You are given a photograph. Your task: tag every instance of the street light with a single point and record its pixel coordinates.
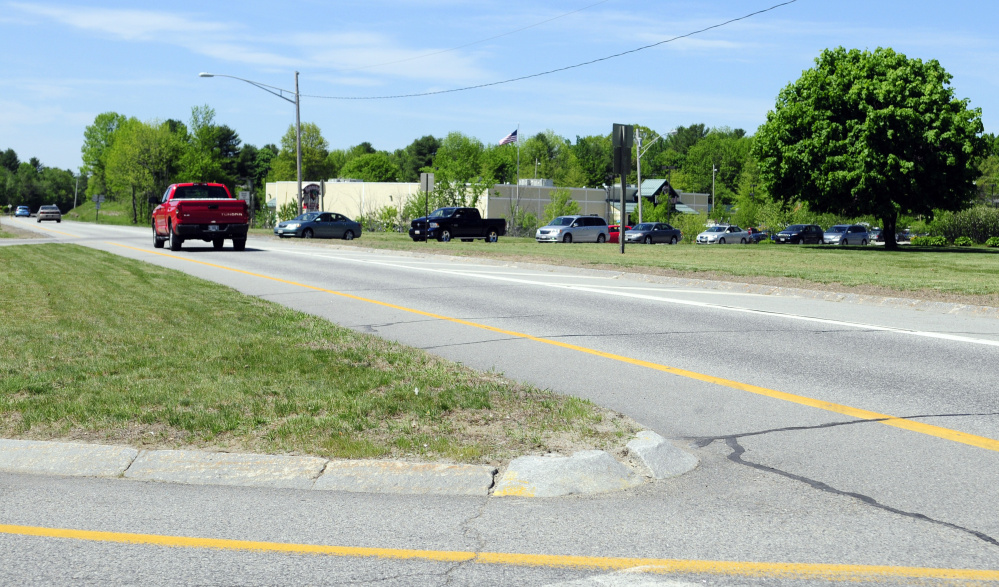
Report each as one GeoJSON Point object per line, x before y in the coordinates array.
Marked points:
{"type": "Point", "coordinates": [640, 151]}
{"type": "Point", "coordinates": [280, 93]}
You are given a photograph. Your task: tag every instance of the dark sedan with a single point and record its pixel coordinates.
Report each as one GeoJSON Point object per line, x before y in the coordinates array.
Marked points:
{"type": "Point", "coordinates": [800, 234]}
{"type": "Point", "coordinates": [653, 232]}
{"type": "Point", "coordinates": [319, 225]}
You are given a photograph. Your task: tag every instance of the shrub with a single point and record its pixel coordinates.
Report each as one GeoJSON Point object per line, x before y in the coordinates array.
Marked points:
{"type": "Point", "coordinates": [992, 242]}
{"type": "Point", "coordinates": [979, 223]}
{"type": "Point", "coordinates": [963, 241]}
{"type": "Point", "coordinates": [929, 241]}
{"type": "Point", "coordinates": [288, 211]}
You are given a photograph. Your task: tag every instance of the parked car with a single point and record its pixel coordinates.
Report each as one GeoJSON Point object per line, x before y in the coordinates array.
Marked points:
{"type": "Point", "coordinates": [451, 222]}
{"type": "Point", "coordinates": [567, 229]}
{"type": "Point", "coordinates": [48, 213]}
{"type": "Point", "coordinates": [653, 232]}
{"type": "Point", "coordinates": [877, 236]}
{"type": "Point", "coordinates": [846, 234]}
{"type": "Point", "coordinates": [613, 231]}
{"type": "Point", "coordinates": [800, 234]}
{"type": "Point", "coordinates": [23, 211]}
{"type": "Point", "coordinates": [319, 225]}
{"type": "Point", "coordinates": [756, 235]}
{"type": "Point", "coordinates": [723, 234]}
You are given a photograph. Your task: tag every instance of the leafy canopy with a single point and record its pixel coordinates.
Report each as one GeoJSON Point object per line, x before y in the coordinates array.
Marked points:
{"type": "Point", "coordinates": [871, 133]}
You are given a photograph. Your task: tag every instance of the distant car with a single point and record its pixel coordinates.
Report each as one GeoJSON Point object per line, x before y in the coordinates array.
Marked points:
{"type": "Point", "coordinates": [756, 235]}
{"type": "Point", "coordinates": [613, 231]}
{"type": "Point", "coordinates": [22, 211]}
{"type": "Point", "coordinates": [877, 236]}
{"type": "Point", "coordinates": [319, 225]}
{"type": "Point", "coordinates": [800, 234]}
{"type": "Point", "coordinates": [568, 229]}
{"type": "Point", "coordinates": [846, 234]}
{"type": "Point", "coordinates": [48, 213]}
{"type": "Point", "coordinates": [722, 234]}
{"type": "Point", "coordinates": [653, 232]}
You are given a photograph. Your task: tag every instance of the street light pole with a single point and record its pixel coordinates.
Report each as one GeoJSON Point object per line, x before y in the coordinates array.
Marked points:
{"type": "Point", "coordinates": [639, 151]}
{"type": "Point", "coordinates": [280, 93]}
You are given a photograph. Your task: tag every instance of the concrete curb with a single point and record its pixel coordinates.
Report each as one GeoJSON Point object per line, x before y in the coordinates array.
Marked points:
{"type": "Point", "coordinates": [585, 473]}
{"type": "Point", "coordinates": [663, 459]}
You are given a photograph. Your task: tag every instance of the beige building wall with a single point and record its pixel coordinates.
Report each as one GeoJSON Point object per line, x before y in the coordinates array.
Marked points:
{"type": "Point", "coordinates": [503, 197]}
{"type": "Point", "coordinates": [353, 199]}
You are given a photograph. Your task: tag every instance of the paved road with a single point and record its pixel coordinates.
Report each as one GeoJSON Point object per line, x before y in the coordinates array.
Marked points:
{"type": "Point", "coordinates": [828, 433]}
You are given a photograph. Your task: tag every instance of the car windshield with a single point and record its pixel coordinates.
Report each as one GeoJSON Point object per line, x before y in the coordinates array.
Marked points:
{"type": "Point", "coordinates": [561, 221]}
{"type": "Point", "coordinates": [644, 226]}
{"type": "Point", "coordinates": [837, 229]}
{"type": "Point", "coordinates": [794, 228]}
{"type": "Point", "coordinates": [307, 217]}
{"type": "Point", "coordinates": [717, 229]}
{"type": "Point", "coordinates": [442, 212]}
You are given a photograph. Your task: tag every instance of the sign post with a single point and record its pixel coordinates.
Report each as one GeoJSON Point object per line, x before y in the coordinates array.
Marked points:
{"type": "Point", "coordinates": [426, 186]}
{"type": "Point", "coordinates": [97, 206]}
{"type": "Point", "coordinates": [623, 139]}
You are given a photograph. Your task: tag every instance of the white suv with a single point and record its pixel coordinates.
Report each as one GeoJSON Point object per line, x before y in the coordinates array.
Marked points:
{"type": "Point", "coordinates": [580, 229]}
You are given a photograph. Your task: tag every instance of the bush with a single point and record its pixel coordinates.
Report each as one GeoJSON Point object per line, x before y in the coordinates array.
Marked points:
{"type": "Point", "coordinates": [979, 223]}
{"type": "Point", "coordinates": [287, 211]}
{"type": "Point", "coordinates": [929, 241]}
{"type": "Point", "coordinates": [963, 241]}
{"type": "Point", "coordinates": [992, 242]}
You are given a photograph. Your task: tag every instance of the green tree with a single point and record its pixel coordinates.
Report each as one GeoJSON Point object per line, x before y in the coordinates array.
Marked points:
{"type": "Point", "coordinates": [872, 133]}
{"type": "Point", "coordinates": [9, 160]}
{"type": "Point", "coordinates": [560, 203]}
{"type": "Point", "coordinates": [315, 150]}
{"type": "Point", "coordinates": [416, 156]}
{"type": "Point", "coordinates": [143, 162]}
{"type": "Point", "coordinates": [458, 179]}
{"type": "Point", "coordinates": [97, 141]}
{"type": "Point", "coordinates": [212, 152]}
{"type": "Point", "coordinates": [595, 158]}
{"type": "Point", "coordinates": [371, 167]}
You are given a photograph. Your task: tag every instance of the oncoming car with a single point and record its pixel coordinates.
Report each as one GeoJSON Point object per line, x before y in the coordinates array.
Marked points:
{"type": "Point", "coordinates": [319, 225]}
{"type": "Point", "coordinates": [722, 234]}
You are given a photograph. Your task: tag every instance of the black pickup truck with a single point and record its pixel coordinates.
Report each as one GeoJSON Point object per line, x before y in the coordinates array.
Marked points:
{"type": "Point", "coordinates": [462, 223]}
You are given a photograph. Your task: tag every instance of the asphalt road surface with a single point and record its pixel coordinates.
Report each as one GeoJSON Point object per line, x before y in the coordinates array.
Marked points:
{"type": "Point", "coordinates": [837, 440]}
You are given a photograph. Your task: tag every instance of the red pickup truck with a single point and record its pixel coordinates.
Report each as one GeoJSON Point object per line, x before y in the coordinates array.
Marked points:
{"type": "Point", "coordinates": [202, 211]}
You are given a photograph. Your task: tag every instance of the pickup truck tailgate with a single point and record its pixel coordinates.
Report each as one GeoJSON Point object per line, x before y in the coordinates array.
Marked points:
{"type": "Point", "coordinates": [212, 212]}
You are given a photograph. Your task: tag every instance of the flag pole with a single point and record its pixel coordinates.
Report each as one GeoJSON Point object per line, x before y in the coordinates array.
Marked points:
{"type": "Point", "coordinates": [518, 169]}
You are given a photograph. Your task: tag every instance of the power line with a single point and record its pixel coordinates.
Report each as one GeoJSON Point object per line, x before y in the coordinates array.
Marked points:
{"type": "Point", "coordinates": [560, 69]}
{"type": "Point", "coordinates": [506, 34]}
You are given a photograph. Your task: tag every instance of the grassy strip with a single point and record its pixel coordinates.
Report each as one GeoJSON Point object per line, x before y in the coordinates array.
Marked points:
{"type": "Point", "coordinates": [965, 271]}
{"type": "Point", "coordinates": [103, 348]}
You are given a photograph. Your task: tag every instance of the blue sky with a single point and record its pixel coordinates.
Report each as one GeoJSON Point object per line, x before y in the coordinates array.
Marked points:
{"type": "Point", "coordinates": [64, 63]}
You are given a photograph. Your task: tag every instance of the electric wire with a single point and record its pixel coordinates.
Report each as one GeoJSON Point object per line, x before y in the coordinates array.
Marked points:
{"type": "Point", "coordinates": [506, 34]}
{"type": "Point", "coordinates": [560, 69]}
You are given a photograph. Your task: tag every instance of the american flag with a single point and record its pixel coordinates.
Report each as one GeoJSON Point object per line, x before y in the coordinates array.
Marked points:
{"type": "Point", "coordinates": [510, 138]}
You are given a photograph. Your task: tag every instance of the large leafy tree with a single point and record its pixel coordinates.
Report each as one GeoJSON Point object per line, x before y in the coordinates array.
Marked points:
{"type": "Point", "coordinates": [371, 167]}
{"type": "Point", "coordinates": [143, 161]}
{"type": "Point", "coordinates": [458, 179]}
{"type": "Point", "coordinates": [315, 150]}
{"type": "Point", "coordinates": [97, 141]}
{"type": "Point", "coordinates": [872, 133]}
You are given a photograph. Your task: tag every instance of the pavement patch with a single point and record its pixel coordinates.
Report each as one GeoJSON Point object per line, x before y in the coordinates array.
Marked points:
{"type": "Point", "coordinates": [214, 468]}
{"type": "Point", "coordinates": [585, 472]}
{"type": "Point", "coordinates": [663, 459]}
{"type": "Point", "coordinates": [64, 458]}
{"type": "Point", "coordinates": [408, 478]}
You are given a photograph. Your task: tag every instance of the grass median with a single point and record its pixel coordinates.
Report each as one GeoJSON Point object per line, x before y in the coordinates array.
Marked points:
{"type": "Point", "coordinates": [967, 275]}
{"type": "Point", "coordinates": [101, 348]}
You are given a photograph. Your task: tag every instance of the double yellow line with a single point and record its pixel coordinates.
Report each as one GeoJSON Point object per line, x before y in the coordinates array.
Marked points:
{"type": "Point", "coordinates": [887, 420]}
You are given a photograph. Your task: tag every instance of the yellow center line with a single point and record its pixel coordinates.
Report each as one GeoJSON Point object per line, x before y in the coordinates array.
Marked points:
{"type": "Point", "coordinates": [903, 423]}
{"type": "Point", "coordinates": [836, 572]}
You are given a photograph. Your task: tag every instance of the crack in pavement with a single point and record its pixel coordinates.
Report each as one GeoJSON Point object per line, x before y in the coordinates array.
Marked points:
{"type": "Point", "coordinates": [703, 441]}
{"type": "Point", "coordinates": [738, 451]}
{"type": "Point", "coordinates": [468, 531]}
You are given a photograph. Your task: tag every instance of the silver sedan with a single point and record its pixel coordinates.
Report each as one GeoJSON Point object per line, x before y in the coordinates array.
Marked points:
{"type": "Point", "coordinates": [722, 234]}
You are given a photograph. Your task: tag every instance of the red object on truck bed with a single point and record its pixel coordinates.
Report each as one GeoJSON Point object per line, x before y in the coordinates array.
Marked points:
{"type": "Point", "coordinates": [201, 211]}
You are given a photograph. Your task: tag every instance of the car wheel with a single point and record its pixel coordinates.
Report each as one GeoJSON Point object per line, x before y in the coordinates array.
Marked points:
{"type": "Point", "coordinates": [567, 238]}
{"type": "Point", "coordinates": [648, 240]}
{"type": "Point", "coordinates": [844, 242]}
{"type": "Point", "coordinates": [218, 243]}
{"type": "Point", "coordinates": [238, 244]}
{"type": "Point", "coordinates": [492, 236]}
{"type": "Point", "coordinates": [721, 241]}
{"type": "Point", "coordinates": [349, 235]}
{"type": "Point", "coordinates": [175, 240]}
{"type": "Point", "coordinates": [307, 233]}
{"type": "Point", "coordinates": [742, 241]}
{"type": "Point", "coordinates": [672, 241]}
{"type": "Point", "coordinates": [157, 241]}
{"type": "Point", "coordinates": [601, 238]}
{"type": "Point", "coordinates": [445, 236]}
